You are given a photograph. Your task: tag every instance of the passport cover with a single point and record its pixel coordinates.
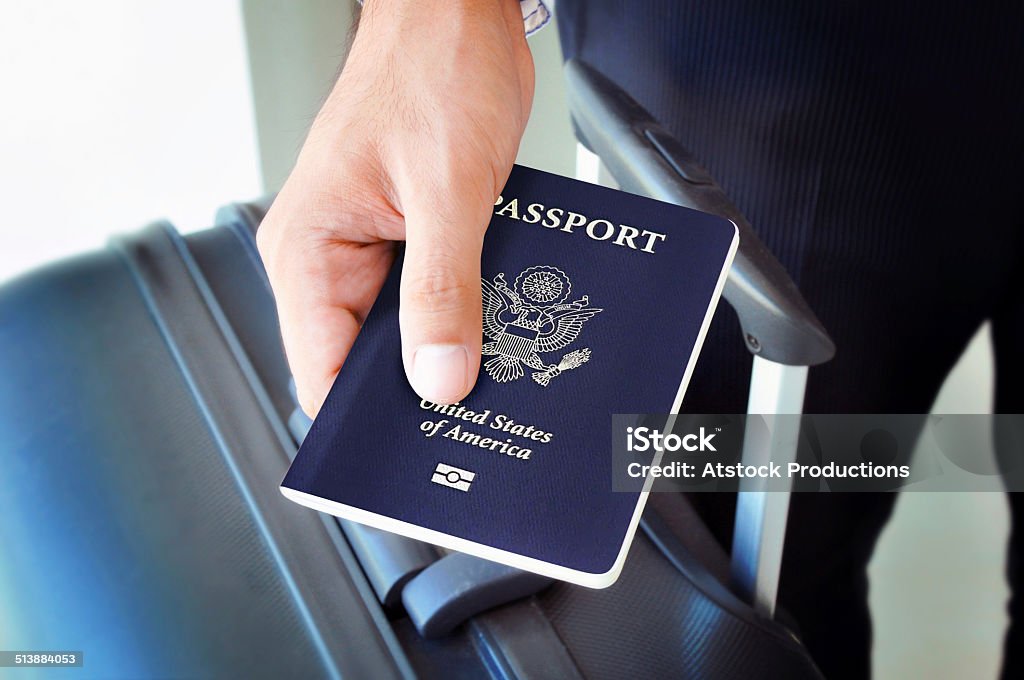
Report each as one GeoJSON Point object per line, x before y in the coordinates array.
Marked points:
{"type": "Point", "coordinates": [595, 302]}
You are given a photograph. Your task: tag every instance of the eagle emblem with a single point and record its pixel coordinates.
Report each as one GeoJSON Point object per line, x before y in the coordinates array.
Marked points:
{"type": "Point", "coordinates": [532, 318]}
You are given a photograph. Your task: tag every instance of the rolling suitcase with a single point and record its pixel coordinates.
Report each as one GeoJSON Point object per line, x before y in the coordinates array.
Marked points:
{"type": "Point", "coordinates": [147, 418]}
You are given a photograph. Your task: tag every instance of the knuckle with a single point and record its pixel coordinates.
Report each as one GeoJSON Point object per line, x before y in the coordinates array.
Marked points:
{"type": "Point", "coordinates": [438, 291]}
{"type": "Point", "coordinates": [308, 401]}
{"type": "Point", "coordinates": [264, 241]}
{"type": "Point", "coordinates": [269, 238]}
{"type": "Point", "coordinates": [266, 246]}
{"type": "Point", "coordinates": [309, 406]}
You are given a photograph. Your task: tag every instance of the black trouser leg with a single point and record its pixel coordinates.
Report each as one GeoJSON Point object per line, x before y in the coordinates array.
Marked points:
{"type": "Point", "coordinates": [824, 584]}
{"type": "Point", "coordinates": [1007, 334]}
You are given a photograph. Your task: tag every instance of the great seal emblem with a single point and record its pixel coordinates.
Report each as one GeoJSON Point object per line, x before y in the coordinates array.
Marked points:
{"type": "Point", "coordinates": [532, 318]}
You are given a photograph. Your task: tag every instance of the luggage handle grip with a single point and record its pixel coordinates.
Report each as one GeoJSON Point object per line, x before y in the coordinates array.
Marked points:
{"type": "Point", "coordinates": [644, 158]}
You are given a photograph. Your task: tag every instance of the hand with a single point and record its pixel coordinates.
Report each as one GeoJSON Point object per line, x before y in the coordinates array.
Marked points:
{"type": "Point", "coordinates": [414, 143]}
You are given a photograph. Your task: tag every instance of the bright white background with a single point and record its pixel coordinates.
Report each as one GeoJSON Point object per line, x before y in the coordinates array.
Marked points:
{"type": "Point", "coordinates": [117, 112]}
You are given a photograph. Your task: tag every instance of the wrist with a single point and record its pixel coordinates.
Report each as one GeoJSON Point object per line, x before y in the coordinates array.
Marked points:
{"type": "Point", "coordinates": [445, 12]}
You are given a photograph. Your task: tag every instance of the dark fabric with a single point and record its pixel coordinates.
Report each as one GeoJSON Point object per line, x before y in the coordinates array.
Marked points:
{"type": "Point", "coordinates": [1007, 331]}
{"type": "Point", "coordinates": [876, 148]}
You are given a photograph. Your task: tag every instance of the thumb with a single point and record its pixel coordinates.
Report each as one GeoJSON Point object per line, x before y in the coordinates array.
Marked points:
{"type": "Point", "coordinates": [440, 309]}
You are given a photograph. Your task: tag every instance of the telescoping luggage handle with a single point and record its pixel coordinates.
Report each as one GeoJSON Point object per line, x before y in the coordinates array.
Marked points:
{"type": "Point", "coordinates": [779, 328]}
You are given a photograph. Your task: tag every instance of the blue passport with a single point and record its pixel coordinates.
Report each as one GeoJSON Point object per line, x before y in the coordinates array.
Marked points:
{"type": "Point", "coordinates": [595, 302]}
